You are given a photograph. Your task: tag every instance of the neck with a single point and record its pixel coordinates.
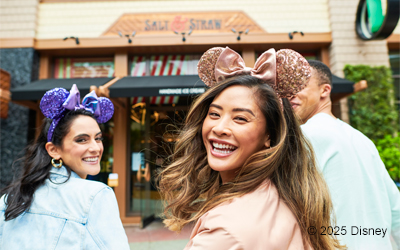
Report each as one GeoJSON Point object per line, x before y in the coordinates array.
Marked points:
{"type": "Point", "coordinates": [227, 176]}
{"type": "Point", "coordinates": [325, 106]}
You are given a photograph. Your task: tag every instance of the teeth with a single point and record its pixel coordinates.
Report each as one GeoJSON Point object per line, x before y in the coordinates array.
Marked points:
{"type": "Point", "coordinates": [94, 159]}
{"type": "Point", "coordinates": [223, 146]}
{"type": "Point", "coordinates": [223, 151]}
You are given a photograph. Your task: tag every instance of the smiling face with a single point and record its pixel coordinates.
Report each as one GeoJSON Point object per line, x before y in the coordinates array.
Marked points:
{"type": "Point", "coordinates": [82, 147]}
{"type": "Point", "coordinates": [233, 130]}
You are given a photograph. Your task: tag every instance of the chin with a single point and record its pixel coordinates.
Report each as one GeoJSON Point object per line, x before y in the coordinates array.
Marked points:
{"type": "Point", "coordinates": [221, 167]}
{"type": "Point", "coordinates": [94, 171]}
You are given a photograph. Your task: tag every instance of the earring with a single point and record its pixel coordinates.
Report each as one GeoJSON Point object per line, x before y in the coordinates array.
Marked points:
{"type": "Point", "coordinates": [55, 164]}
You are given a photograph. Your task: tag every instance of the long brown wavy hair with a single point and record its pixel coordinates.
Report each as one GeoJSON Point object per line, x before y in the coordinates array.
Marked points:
{"type": "Point", "coordinates": [190, 188]}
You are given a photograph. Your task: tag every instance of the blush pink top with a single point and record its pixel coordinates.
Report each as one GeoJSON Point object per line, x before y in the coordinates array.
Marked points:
{"type": "Point", "coordinates": [255, 221]}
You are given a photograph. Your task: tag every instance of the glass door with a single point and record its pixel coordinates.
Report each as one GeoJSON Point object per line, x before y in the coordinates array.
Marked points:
{"type": "Point", "coordinates": [145, 175]}
{"type": "Point", "coordinates": [140, 163]}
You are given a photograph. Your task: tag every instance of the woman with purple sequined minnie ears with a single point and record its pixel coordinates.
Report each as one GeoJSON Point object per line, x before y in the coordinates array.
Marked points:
{"type": "Point", "coordinates": [241, 169]}
{"type": "Point", "coordinates": [51, 205]}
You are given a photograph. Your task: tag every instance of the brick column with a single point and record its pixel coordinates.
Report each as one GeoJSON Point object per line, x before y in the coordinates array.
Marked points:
{"type": "Point", "coordinates": [23, 65]}
{"type": "Point", "coordinates": [19, 20]}
{"type": "Point", "coordinates": [347, 48]}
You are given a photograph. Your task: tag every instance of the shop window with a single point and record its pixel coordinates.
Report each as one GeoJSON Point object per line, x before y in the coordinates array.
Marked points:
{"type": "Point", "coordinates": [164, 65]}
{"type": "Point", "coordinates": [83, 67]}
{"type": "Point", "coordinates": [394, 57]}
{"type": "Point", "coordinates": [309, 56]}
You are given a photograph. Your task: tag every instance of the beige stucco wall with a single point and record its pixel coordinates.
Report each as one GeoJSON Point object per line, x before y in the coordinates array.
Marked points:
{"type": "Point", "coordinates": [91, 19]}
{"type": "Point", "coordinates": [18, 18]}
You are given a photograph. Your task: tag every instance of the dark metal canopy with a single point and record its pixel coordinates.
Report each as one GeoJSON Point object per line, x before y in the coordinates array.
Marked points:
{"type": "Point", "coordinates": [186, 85]}
{"type": "Point", "coordinates": [140, 86]}
{"type": "Point", "coordinates": [341, 85]}
{"type": "Point", "coordinates": [157, 86]}
{"type": "Point", "coordinates": [36, 89]}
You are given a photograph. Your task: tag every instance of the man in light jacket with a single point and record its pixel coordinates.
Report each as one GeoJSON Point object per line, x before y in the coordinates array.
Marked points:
{"type": "Point", "coordinates": [366, 200]}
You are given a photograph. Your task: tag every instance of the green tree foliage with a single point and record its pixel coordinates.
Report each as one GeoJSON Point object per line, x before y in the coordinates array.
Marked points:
{"type": "Point", "coordinates": [372, 111]}
{"type": "Point", "coordinates": [389, 150]}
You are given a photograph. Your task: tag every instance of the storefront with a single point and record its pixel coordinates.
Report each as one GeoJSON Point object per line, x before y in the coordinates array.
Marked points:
{"type": "Point", "coordinates": [146, 64]}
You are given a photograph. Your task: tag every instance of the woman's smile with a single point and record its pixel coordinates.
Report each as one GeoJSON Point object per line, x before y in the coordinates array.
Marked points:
{"type": "Point", "coordinates": [221, 148]}
{"type": "Point", "coordinates": [91, 160]}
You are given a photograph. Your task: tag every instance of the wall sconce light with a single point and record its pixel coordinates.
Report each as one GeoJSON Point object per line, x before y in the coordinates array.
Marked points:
{"type": "Point", "coordinates": [183, 34]}
{"type": "Point", "coordinates": [240, 33]}
{"type": "Point", "coordinates": [72, 37]}
{"type": "Point", "coordinates": [294, 32]}
{"type": "Point", "coordinates": [127, 35]}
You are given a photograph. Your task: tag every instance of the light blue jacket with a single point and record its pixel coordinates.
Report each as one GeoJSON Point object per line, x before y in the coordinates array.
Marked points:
{"type": "Point", "coordinates": [77, 214]}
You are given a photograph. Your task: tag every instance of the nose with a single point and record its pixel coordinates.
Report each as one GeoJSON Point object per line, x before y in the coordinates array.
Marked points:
{"type": "Point", "coordinates": [94, 146]}
{"type": "Point", "coordinates": [221, 128]}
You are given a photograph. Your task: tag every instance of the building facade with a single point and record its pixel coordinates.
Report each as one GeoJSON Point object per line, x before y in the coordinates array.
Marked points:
{"type": "Point", "coordinates": [143, 55]}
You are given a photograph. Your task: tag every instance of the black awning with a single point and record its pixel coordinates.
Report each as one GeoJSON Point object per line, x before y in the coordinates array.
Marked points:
{"type": "Point", "coordinates": [35, 90]}
{"type": "Point", "coordinates": [185, 85]}
{"type": "Point", "coordinates": [139, 86]}
{"type": "Point", "coordinates": [341, 85]}
{"type": "Point", "coordinates": [157, 86]}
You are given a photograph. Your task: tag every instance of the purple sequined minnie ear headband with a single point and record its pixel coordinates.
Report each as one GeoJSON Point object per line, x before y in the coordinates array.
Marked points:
{"type": "Point", "coordinates": [58, 101]}
{"type": "Point", "coordinates": [286, 71]}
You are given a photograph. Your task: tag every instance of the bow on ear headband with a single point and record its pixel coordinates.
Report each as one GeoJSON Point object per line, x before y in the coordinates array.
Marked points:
{"type": "Point", "coordinates": [58, 101]}
{"type": "Point", "coordinates": [286, 71]}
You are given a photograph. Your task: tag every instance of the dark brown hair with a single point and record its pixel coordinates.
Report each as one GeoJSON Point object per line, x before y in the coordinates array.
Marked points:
{"type": "Point", "coordinates": [324, 74]}
{"type": "Point", "coordinates": [190, 188]}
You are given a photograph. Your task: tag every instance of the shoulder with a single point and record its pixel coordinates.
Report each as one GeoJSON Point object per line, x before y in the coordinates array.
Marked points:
{"type": "Point", "coordinates": [356, 135]}
{"type": "Point", "coordinates": [70, 198]}
{"type": "Point", "coordinates": [75, 186]}
{"type": "Point", "coordinates": [261, 211]}
{"type": "Point", "coordinates": [72, 184]}
{"type": "Point", "coordinates": [321, 126]}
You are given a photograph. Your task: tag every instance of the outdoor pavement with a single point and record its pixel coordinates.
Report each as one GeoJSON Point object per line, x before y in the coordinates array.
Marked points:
{"type": "Point", "coordinates": [156, 236]}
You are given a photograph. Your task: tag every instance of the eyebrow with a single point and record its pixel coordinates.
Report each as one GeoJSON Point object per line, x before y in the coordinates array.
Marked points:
{"type": "Point", "coordinates": [235, 109]}
{"type": "Point", "coordinates": [99, 133]}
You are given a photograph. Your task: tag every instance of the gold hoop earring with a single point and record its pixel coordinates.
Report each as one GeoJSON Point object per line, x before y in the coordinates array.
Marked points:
{"type": "Point", "coordinates": [55, 164]}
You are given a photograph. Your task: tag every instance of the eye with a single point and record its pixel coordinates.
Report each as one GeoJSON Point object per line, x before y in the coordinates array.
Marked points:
{"type": "Point", "coordinates": [99, 139]}
{"type": "Point", "coordinates": [213, 114]}
{"type": "Point", "coordinates": [80, 140]}
{"type": "Point", "coordinates": [242, 119]}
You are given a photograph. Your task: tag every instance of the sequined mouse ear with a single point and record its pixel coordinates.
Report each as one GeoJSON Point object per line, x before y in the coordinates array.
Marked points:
{"type": "Point", "coordinates": [206, 65]}
{"type": "Point", "coordinates": [292, 73]}
{"type": "Point", "coordinates": [51, 103]}
{"type": "Point", "coordinates": [106, 110]}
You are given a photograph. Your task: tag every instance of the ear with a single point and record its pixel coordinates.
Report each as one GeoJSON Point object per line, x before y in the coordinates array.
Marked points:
{"type": "Point", "coordinates": [53, 150]}
{"type": "Point", "coordinates": [325, 90]}
{"type": "Point", "coordinates": [267, 143]}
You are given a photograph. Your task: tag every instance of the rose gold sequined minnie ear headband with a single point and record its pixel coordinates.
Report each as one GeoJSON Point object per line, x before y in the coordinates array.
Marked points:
{"type": "Point", "coordinates": [286, 71]}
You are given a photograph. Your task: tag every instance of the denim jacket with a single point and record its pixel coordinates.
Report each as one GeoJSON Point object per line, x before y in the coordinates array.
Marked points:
{"type": "Point", "coordinates": [77, 214]}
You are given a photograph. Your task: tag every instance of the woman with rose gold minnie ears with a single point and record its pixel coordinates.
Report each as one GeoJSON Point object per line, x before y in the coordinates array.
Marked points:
{"type": "Point", "coordinates": [241, 168]}
{"type": "Point", "coordinates": [51, 204]}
